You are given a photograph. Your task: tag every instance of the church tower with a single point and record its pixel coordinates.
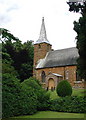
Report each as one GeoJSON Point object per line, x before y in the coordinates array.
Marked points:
{"type": "Point", "coordinates": [42, 45]}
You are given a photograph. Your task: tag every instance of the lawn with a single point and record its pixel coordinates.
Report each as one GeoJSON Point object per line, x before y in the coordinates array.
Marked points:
{"type": "Point", "coordinates": [76, 92]}
{"type": "Point", "coordinates": [51, 114]}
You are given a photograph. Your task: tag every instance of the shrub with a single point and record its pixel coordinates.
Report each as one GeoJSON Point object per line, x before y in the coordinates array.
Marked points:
{"type": "Point", "coordinates": [43, 97]}
{"type": "Point", "coordinates": [43, 100]}
{"type": "Point", "coordinates": [64, 88]}
{"type": "Point", "coordinates": [31, 82]}
{"type": "Point", "coordinates": [28, 102]}
{"type": "Point", "coordinates": [74, 104]}
{"type": "Point", "coordinates": [10, 94]}
{"type": "Point", "coordinates": [16, 100]}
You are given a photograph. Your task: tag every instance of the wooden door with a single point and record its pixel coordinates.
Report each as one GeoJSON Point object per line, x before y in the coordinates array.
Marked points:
{"type": "Point", "coordinates": [51, 84]}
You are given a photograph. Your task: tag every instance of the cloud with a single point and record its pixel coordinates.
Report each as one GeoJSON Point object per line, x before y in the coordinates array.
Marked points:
{"type": "Point", "coordinates": [6, 7]}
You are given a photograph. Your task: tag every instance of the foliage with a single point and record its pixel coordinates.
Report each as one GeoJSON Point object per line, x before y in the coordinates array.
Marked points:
{"type": "Point", "coordinates": [44, 100]}
{"type": "Point", "coordinates": [28, 102]}
{"type": "Point", "coordinates": [15, 100]}
{"type": "Point", "coordinates": [75, 104]}
{"type": "Point", "coordinates": [7, 65]}
{"type": "Point", "coordinates": [31, 83]}
{"type": "Point", "coordinates": [43, 97]}
{"type": "Point", "coordinates": [75, 92]}
{"type": "Point", "coordinates": [10, 90]}
{"type": "Point", "coordinates": [6, 35]}
{"type": "Point", "coordinates": [64, 88]}
{"type": "Point", "coordinates": [80, 28]}
{"type": "Point", "coordinates": [20, 55]}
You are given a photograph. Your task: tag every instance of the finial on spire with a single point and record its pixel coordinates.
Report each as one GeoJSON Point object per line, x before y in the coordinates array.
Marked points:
{"type": "Point", "coordinates": [42, 36]}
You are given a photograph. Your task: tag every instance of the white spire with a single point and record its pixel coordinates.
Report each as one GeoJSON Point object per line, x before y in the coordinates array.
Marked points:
{"type": "Point", "coordinates": [42, 36]}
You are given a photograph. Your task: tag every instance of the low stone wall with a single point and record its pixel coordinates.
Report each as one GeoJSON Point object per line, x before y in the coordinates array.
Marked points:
{"type": "Point", "coordinates": [79, 84]}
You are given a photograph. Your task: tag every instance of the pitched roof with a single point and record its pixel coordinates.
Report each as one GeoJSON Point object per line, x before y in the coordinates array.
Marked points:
{"type": "Point", "coordinates": [57, 58]}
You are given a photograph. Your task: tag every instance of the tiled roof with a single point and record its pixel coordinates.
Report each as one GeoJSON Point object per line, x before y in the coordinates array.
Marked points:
{"type": "Point", "coordinates": [57, 58]}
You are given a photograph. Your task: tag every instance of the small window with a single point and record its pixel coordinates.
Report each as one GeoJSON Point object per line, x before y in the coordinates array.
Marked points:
{"type": "Point", "coordinates": [43, 75]}
{"type": "Point", "coordinates": [67, 75]}
{"type": "Point", "coordinates": [39, 46]}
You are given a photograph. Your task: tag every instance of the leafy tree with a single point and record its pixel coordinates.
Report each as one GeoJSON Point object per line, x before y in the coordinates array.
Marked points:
{"type": "Point", "coordinates": [80, 28]}
{"type": "Point", "coordinates": [6, 35]}
{"type": "Point", "coordinates": [23, 60]}
{"type": "Point", "coordinates": [21, 54]}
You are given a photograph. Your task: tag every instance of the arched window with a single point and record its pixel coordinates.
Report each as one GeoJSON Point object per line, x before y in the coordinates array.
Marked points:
{"type": "Point", "coordinates": [43, 76]}
{"type": "Point", "coordinates": [39, 46]}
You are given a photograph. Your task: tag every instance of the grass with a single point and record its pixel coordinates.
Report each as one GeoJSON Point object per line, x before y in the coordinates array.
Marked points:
{"type": "Point", "coordinates": [51, 114]}
{"type": "Point", "coordinates": [76, 92]}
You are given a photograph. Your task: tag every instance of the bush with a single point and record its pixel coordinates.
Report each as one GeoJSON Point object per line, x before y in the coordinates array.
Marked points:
{"type": "Point", "coordinates": [43, 97]}
{"type": "Point", "coordinates": [10, 94]}
{"type": "Point", "coordinates": [16, 100]}
{"type": "Point", "coordinates": [74, 104]}
{"type": "Point", "coordinates": [28, 102]}
{"type": "Point", "coordinates": [64, 88]}
{"type": "Point", "coordinates": [43, 100]}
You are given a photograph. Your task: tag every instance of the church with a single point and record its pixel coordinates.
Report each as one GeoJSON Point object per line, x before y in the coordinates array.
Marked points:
{"type": "Point", "coordinates": [51, 66]}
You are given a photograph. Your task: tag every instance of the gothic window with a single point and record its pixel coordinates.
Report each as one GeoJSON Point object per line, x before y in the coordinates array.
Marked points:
{"type": "Point", "coordinates": [39, 46]}
{"type": "Point", "coordinates": [43, 75]}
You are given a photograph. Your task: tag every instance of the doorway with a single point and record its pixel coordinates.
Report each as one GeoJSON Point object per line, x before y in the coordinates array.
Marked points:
{"type": "Point", "coordinates": [51, 84]}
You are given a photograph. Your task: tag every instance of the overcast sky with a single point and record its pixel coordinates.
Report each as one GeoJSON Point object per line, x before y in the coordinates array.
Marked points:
{"type": "Point", "coordinates": [23, 18]}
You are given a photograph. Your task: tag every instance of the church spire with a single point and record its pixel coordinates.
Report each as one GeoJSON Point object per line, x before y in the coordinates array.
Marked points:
{"type": "Point", "coordinates": [42, 36]}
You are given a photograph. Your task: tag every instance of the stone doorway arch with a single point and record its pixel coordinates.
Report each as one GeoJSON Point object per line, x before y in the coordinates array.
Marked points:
{"type": "Point", "coordinates": [51, 84]}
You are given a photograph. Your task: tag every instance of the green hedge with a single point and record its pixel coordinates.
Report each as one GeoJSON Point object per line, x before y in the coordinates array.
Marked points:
{"type": "Point", "coordinates": [43, 97]}
{"type": "Point", "coordinates": [15, 100]}
{"type": "Point", "coordinates": [74, 104]}
{"type": "Point", "coordinates": [43, 100]}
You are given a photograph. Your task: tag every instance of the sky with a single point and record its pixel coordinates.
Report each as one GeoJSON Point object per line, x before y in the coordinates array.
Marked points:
{"type": "Point", "coordinates": [23, 19]}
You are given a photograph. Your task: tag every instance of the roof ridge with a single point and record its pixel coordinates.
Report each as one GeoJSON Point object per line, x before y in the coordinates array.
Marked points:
{"type": "Point", "coordinates": [63, 49]}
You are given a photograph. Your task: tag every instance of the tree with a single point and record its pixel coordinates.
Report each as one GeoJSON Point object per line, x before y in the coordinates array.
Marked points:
{"type": "Point", "coordinates": [20, 53]}
{"type": "Point", "coordinates": [6, 35]}
{"type": "Point", "coordinates": [80, 28]}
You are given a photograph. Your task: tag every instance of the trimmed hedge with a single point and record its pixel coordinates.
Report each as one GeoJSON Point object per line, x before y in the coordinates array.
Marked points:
{"type": "Point", "coordinates": [74, 104]}
{"type": "Point", "coordinates": [64, 88]}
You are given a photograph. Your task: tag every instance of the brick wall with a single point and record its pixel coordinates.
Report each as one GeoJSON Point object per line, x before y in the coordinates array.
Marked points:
{"type": "Point", "coordinates": [71, 76]}
{"type": "Point", "coordinates": [68, 72]}
{"type": "Point", "coordinates": [40, 51]}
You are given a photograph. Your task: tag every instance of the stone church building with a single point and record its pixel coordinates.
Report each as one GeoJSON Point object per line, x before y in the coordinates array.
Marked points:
{"type": "Point", "coordinates": [52, 66]}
